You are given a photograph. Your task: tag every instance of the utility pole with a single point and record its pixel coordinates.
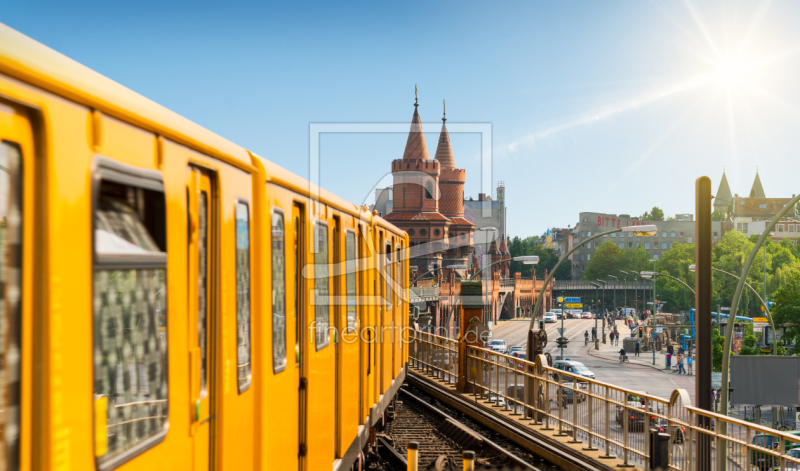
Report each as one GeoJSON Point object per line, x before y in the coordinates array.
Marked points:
{"type": "Point", "coordinates": [703, 361]}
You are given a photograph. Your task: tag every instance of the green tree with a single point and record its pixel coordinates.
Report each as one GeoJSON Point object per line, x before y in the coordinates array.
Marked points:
{"type": "Point", "coordinates": [717, 215]}
{"type": "Point", "coordinates": [675, 262]}
{"type": "Point", "coordinates": [786, 311]}
{"type": "Point", "coordinates": [655, 214]}
{"type": "Point", "coordinates": [547, 259]}
{"type": "Point", "coordinates": [604, 262]}
{"type": "Point", "coordinates": [717, 347]}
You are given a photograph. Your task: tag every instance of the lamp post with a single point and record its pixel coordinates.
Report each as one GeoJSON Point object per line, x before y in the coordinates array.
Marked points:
{"type": "Point", "coordinates": [614, 308]}
{"type": "Point", "coordinates": [625, 303]}
{"type": "Point", "coordinates": [644, 230]}
{"type": "Point", "coordinates": [737, 295]}
{"type": "Point", "coordinates": [603, 308]}
{"type": "Point", "coordinates": [526, 259]}
{"type": "Point", "coordinates": [457, 267]}
{"type": "Point", "coordinates": [655, 308]}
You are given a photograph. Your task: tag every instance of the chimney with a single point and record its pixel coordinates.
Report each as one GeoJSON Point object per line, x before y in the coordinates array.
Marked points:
{"type": "Point", "coordinates": [481, 196]}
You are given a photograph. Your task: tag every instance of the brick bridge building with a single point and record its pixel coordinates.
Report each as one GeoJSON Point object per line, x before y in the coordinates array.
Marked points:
{"type": "Point", "coordinates": [428, 203]}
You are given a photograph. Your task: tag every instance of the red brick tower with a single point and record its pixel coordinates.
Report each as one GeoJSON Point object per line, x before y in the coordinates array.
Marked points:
{"type": "Point", "coordinates": [505, 255]}
{"type": "Point", "coordinates": [451, 203]}
{"type": "Point", "coordinates": [416, 199]}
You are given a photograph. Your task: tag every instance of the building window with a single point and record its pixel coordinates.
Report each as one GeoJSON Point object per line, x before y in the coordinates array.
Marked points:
{"type": "Point", "coordinates": [741, 202]}
{"type": "Point", "coordinates": [130, 315]}
{"type": "Point", "coordinates": [762, 206]}
{"type": "Point", "coordinates": [588, 245]}
{"type": "Point", "coordinates": [411, 232]}
{"type": "Point", "coordinates": [638, 244]}
{"type": "Point", "coordinates": [791, 228]}
{"type": "Point", "coordinates": [630, 245]}
{"type": "Point", "coordinates": [436, 232]}
{"type": "Point", "coordinates": [583, 268]}
{"type": "Point", "coordinates": [689, 239]}
{"type": "Point", "coordinates": [589, 234]}
{"type": "Point", "coordinates": [583, 234]}
{"type": "Point", "coordinates": [423, 232]}
{"type": "Point", "coordinates": [647, 245]}
{"type": "Point", "coordinates": [588, 256]}
{"type": "Point", "coordinates": [664, 234]}
{"type": "Point", "coordinates": [630, 234]}
{"type": "Point", "coordinates": [716, 234]}
{"type": "Point", "coordinates": [655, 257]}
{"type": "Point", "coordinates": [681, 234]}
{"type": "Point", "coordinates": [613, 234]}
{"type": "Point", "coordinates": [672, 234]}
{"type": "Point", "coordinates": [664, 246]}
{"type": "Point", "coordinates": [428, 190]}
{"type": "Point", "coordinates": [583, 257]}
{"type": "Point", "coordinates": [622, 245]}
{"type": "Point", "coordinates": [605, 235]}
{"type": "Point", "coordinates": [780, 227]}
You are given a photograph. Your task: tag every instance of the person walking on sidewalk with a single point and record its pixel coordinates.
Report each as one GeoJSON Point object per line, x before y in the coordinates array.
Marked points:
{"type": "Point", "coordinates": [586, 338]}
{"type": "Point", "coordinates": [689, 362]}
{"type": "Point", "coordinates": [611, 337]}
{"type": "Point", "coordinates": [638, 347]}
{"type": "Point", "coordinates": [669, 360]}
{"type": "Point", "coordinates": [681, 369]}
{"type": "Point", "coordinates": [594, 333]}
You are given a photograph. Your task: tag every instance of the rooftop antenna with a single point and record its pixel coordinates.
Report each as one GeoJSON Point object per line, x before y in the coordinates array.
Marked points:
{"type": "Point", "coordinates": [444, 110]}
{"type": "Point", "coordinates": [416, 98]}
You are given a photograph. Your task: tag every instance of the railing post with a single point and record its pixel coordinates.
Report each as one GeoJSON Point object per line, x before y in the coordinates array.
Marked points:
{"type": "Point", "coordinates": [590, 408]}
{"type": "Point", "coordinates": [608, 423]}
{"type": "Point", "coordinates": [413, 456]}
{"type": "Point", "coordinates": [558, 402]}
{"type": "Point", "coordinates": [472, 326]}
{"type": "Point", "coordinates": [647, 432]}
{"type": "Point", "coordinates": [625, 433]}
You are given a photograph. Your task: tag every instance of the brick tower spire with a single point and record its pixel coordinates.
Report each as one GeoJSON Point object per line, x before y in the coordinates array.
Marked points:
{"type": "Point", "coordinates": [415, 145]}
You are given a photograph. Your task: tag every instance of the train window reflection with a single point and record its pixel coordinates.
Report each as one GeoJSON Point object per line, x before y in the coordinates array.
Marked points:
{"type": "Point", "coordinates": [243, 296]}
{"type": "Point", "coordinates": [278, 294]}
{"type": "Point", "coordinates": [321, 313]}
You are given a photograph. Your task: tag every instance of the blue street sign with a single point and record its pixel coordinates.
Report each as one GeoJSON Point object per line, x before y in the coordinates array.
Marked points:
{"type": "Point", "coordinates": [654, 335]}
{"type": "Point", "coordinates": [572, 300]}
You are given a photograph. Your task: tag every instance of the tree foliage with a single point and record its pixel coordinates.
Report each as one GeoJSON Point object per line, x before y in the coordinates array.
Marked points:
{"type": "Point", "coordinates": [655, 214]}
{"type": "Point", "coordinates": [717, 215]}
{"type": "Point", "coordinates": [547, 259]}
{"type": "Point", "coordinates": [787, 308]}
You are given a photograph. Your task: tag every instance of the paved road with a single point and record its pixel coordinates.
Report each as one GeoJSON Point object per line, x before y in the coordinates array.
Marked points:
{"type": "Point", "coordinates": [637, 377]}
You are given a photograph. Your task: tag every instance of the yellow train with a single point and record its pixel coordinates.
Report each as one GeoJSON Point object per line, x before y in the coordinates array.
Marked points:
{"type": "Point", "coordinates": [173, 301]}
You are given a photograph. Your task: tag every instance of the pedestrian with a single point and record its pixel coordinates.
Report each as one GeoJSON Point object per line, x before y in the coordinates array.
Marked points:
{"type": "Point", "coordinates": [594, 333]}
{"type": "Point", "coordinates": [670, 349]}
{"type": "Point", "coordinates": [689, 362]}
{"type": "Point", "coordinates": [586, 338]}
{"type": "Point", "coordinates": [638, 346]}
{"type": "Point", "coordinates": [616, 338]}
{"type": "Point", "coordinates": [611, 337]}
{"type": "Point", "coordinates": [681, 369]}
{"type": "Point", "coordinates": [669, 360]}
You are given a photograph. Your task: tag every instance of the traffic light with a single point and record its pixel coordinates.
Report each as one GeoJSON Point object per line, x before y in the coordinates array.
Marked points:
{"type": "Point", "coordinates": [641, 331]}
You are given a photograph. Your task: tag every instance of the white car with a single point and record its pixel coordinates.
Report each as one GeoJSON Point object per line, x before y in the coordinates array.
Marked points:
{"type": "Point", "coordinates": [498, 346]}
{"type": "Point", "coordinates": [549, 317]}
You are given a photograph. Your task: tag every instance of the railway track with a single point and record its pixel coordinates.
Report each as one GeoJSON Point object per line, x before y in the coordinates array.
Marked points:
{"type": "Point", "coordinates": [442, 438]}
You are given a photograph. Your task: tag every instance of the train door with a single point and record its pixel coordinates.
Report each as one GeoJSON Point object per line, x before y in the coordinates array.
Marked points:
{"type": "Point", "coordinates": [201, 302]}
{"type": "Point", "coordinates": [16, 178]}
{"type": "Point", "coordinates": [337, 332]}
{"type": "Point", "coordinates": [301, 343]}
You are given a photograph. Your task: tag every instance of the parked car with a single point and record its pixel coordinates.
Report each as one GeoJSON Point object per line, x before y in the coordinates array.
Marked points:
{"type": "Point", "coordinates": [586, 315]}
{"type": "Point", "coordinates": [498, 346]}
{"type": "Point", "coordinates": [549, 317]}
{"type": "Point", "coordinates": [497, 399]}
{"type": "Point", "coordinates": [558, 313]}
{"type": "Point", "coordinates": [516, 348]}
{"type": "Point", "coordinates": [568, 390]}
{"type": "Point", "coordinates": [574, 367]}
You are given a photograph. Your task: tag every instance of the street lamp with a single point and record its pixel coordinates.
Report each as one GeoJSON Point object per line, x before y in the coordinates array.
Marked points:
{"type": "Point", "coordinates": [655, 308]}
{"type": "Point", "coordinates": [625, 303]}
{"type": "Point", "coordinates": [643, 230]}
{"type": "Point", "coordinates": [525, 259]}
{"type": "Point", "coordinates": [763, 303]}
{"type": "Point", "coordinates": [596, 346]}
{"type": "Point", "coordinates": [737, 295]}
{"type": "Point", "coordinates": [614, 308]}
{"type": "Point", "coordinates": [455, 267]}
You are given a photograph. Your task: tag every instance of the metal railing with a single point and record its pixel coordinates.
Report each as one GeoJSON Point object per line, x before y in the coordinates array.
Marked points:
{"type": "Point", "coordinates": [506, 282]}
{"type": "Point", "coordinates": [425, 292]}
{"type": "Point", "coordinates": [615, 420]}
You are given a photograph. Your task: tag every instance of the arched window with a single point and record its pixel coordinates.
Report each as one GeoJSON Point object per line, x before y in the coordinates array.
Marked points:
{"type": "Point", "coordinates": [429, 190]}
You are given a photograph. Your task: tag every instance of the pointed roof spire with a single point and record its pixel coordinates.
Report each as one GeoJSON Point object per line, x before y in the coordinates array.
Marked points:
{"type": "Point", "coordinates": [757, 191]}
{"type": "Point", "coordinates": [416, 149]}
{"type": "Point", "coordinates": [444, 153]}
{"type": "Point", "coordinates": [493, 248]}
{"type": "Point", "coordinates": [503, 246]}
{"type": "Point", "coordinates": [724, 196]}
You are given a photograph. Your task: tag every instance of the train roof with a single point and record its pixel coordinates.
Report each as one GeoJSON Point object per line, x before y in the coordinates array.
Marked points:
{"type": "Point", "coordinates": [28, 60]}
{"type": "Point", "coordinates": [31, 61]}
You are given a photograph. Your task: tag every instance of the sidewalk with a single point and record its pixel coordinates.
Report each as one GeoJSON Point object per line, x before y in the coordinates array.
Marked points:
{"type": "Point", "coordinates": [508, 321]}
{"type": "Point", "coordinates": [611, 353]}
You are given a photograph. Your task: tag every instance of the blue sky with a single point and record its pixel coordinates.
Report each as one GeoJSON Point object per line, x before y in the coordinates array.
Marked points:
{"type": "Point", "coordinates": [594, 106]}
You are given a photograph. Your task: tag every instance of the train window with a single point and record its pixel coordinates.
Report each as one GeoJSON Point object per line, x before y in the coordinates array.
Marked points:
{"type": "Point", "coordinates": [399, 277]}
{"type": "Point", "coordinates": [202, 286]}
{"type": "Point", "coordinates": [387, 272]}
{"type": "Point", "coordinates": [278, 294]}
{"type": "Point", "coordinates": [10, 286]}
{"type": "Point", "coordinates": [350, 281]}
{"type": "Point", "coordinates": [243, 295]}
{"type": "Point", "coordinates": [321, 313]}
{"type": "Point", "coordinates": [130, 313]}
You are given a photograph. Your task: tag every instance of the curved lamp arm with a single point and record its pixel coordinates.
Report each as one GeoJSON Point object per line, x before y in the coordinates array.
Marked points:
{"type": "Point", "coordinates": [726, 351]}
{"type": "Point", "coordinates": [535, 312]}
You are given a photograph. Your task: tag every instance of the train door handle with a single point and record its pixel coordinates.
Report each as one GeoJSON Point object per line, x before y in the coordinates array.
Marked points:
{"type": "Point", "coordinates": [303, 384]}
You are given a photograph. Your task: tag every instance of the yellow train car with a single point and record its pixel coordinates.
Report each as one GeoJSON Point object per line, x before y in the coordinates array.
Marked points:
{"type": "Point", "coordinates": [171, 300]}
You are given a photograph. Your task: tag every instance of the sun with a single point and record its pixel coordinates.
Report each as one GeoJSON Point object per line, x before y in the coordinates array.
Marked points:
{"type": "Point", "coordinates": [732, 71]}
